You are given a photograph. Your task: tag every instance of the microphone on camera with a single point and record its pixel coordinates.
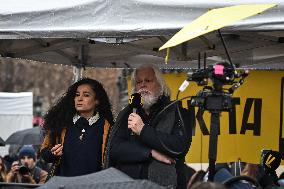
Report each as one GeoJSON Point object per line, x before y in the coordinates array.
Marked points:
{"type": "Point", "coordinates": [200, 76]}
{"type": "Point", "coordinates": [135, 102]}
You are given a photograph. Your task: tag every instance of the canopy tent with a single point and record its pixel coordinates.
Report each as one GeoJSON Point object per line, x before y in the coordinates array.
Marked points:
{"type": "Point", "coordinates": [116, 34]}
{"type": "Point", "coordinates": [16, 113]}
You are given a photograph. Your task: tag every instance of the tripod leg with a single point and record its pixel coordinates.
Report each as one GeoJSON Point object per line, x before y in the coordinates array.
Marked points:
{"type": "Point", "coordinates": [213, 143]}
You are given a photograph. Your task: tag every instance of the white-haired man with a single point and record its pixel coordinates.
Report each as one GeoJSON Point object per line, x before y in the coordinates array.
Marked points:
{"type": "Point", "coordinates": [157, 149]}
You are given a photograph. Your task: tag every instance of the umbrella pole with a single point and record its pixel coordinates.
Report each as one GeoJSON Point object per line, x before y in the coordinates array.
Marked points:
{"type": "Point", "coordinates": [226, 49]}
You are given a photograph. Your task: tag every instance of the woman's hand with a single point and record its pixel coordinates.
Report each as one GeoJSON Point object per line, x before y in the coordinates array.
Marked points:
{"type": "Point", "coordinates": [57, 150]}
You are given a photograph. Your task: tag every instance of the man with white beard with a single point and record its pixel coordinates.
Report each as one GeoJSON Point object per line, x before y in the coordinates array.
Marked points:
{"type": "Point", "coordinates": [151, 143]}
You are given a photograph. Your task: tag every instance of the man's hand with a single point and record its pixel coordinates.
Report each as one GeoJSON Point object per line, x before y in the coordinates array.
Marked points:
{"type": "Point", "coordinates": [135, 123]}
{"type": "Point", "coordinates": [57, 150]}
{"type": "Point", "coordinates": [15, 167]}
{"type": "Point", "coordinates": [27, 178]}
{"type": "Point", "coordinates": [161, 157]}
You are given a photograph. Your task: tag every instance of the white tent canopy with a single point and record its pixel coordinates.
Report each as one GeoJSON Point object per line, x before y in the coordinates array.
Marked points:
{"type": "Point", "coordinates": [16, 103]}
{"type": "Point", "coordinates": [101, 18]}
{"type": "Point", "coordinates": [16, 113]}
{"type": "Point", "coordinates": [116, 33]}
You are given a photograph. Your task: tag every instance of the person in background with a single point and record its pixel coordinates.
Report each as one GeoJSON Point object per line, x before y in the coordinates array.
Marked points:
{"type": "Point", "coordinates": [24, 170]}
{"type": "Point", "coordinates": [251, 170]}
{"type": "Point", "coordinates": [43, 165]}
{"type": "Point", "coordinates": [267, 180]}
{"type": "Point", "coordinates": [281, 180]}
{"type": "Point", "coordinates": [151, 143]}
{"type": "Point", "coordinates": [197, 177]}
{"type": "Point", "coordinates": [77, 128]}
{"type": "Point", "coordinates": [11, 156]}
{"type": "Point", "coordinates": [3, 171]}
{"type": "Point", "coordinates": [208, 185]}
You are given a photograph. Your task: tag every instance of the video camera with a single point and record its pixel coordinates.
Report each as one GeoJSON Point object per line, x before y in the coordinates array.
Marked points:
{"type": "Point", "coordinates": [215, 97]}
{"type": "Point", "coordinates": [221, 73]}
{"type": "Point", "coordinates": [212, 100]}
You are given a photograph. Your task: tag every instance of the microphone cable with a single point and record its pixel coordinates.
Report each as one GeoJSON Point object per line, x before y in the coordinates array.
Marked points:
{"type": "Point", "coordinates": [182, 125]}
{"type": "Point", "coordinates": [112, 131]}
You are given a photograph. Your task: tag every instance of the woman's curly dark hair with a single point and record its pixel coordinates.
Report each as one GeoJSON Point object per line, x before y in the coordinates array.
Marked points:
{"type": "Point", "coordinates": [61, 114]}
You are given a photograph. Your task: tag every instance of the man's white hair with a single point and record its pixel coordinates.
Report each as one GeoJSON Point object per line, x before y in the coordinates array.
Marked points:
{"type": "Point", "coordinates": [165, 90]}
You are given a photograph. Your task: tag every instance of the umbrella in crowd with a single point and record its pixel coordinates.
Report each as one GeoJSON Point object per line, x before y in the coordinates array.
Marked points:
{"type": "Point", "coordinates": [106, 179]}
{"type": "Point", "coordinates": [2, 142]}
{"type": "Point", "coordinates": [28, 136]}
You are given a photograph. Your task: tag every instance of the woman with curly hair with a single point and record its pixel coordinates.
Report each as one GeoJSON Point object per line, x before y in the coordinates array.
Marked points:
{"type": "Point", "coordinates": [76, 130]}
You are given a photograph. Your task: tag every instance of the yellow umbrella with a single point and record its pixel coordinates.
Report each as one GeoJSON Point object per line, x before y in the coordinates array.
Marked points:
{"type": "Point", "coordinates": [214, 20]}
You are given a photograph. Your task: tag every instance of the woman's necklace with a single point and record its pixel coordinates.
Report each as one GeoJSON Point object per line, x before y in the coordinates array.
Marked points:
{"type": "Point", "coordinates": [81, 137]}
{"type": "Point", "coordinates": [91, 121]}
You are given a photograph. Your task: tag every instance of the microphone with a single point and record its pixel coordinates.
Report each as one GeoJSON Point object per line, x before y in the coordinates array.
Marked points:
{"type": "Point", "coordinates": [199, 76]}
{"type": "Point", "coordinates": [135, 102]}
{"type": "Point", "coordinates": [270, 160]}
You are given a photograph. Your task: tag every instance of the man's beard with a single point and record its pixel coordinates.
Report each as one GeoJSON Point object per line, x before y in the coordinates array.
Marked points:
{"type": "Point", "coordinates": [148, 98]}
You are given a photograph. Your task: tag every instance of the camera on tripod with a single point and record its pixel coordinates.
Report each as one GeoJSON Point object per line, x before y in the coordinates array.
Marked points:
{"type": "Point", "coordinates": [215, 97]}
{"type": "Point", "coordinates": [221, 73]}
{"type": "Point", "coordinates": [212, 101]}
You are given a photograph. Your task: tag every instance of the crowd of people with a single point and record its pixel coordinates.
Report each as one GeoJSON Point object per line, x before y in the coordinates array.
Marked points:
{"type": "Point", "coordinates": [150, 142]}
{"type": "Point", "coordinates": [24, 169]}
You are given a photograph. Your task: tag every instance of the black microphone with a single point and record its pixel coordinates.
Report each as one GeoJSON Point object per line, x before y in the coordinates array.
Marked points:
{"type": "Point", "coordinates": [270, 160]}
{"type": "Point", "coordinates": [135, 102]}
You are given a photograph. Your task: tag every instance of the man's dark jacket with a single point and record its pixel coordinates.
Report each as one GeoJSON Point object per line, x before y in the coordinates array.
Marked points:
{"type": "Point", "coordinates": [132, 153]}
